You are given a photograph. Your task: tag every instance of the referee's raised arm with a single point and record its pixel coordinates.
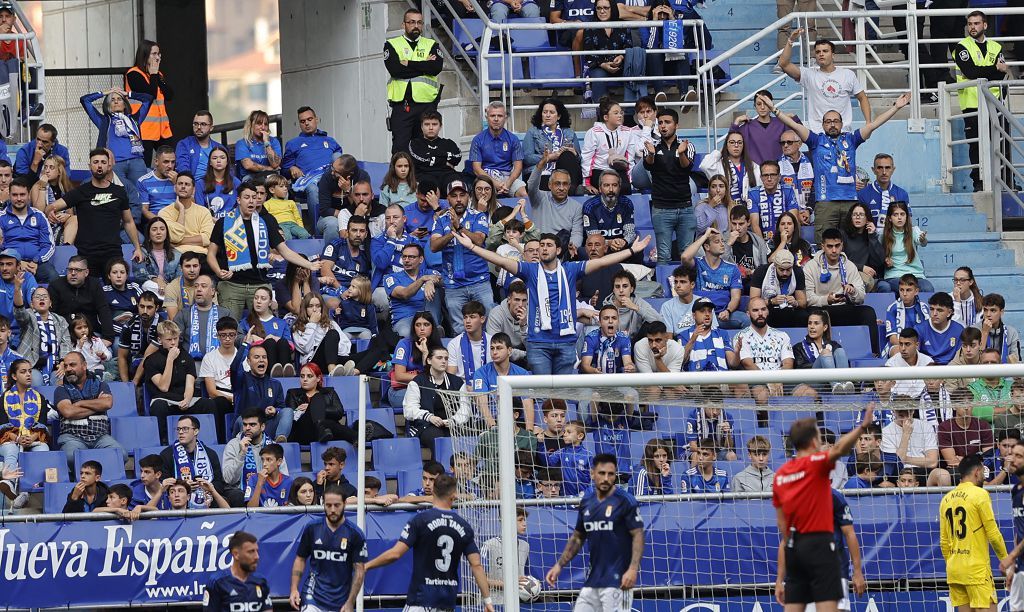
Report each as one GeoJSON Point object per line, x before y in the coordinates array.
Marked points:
{"type": "Point", "coordinates": [845, 444]}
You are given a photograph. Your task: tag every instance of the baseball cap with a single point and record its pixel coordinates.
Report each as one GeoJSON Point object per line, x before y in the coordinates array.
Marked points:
{"type": "Point", "coordinates": [703, 303]}
{"type": "Point", "coordinates": [784, 260]}
{"type": "Point", "coordinates": [11, 253]}
{"type": "Point", "coordinates": [456, 184]}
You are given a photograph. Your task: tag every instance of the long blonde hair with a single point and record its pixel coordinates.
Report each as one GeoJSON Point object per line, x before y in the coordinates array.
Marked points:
{"type": "Point", "coordinates": [63, 180]}
{"type": "Point", "coordinates": [256, 116]}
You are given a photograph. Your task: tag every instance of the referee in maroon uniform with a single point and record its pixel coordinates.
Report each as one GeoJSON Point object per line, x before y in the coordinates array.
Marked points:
{"type": "Point", "coordinates": [802, 496]}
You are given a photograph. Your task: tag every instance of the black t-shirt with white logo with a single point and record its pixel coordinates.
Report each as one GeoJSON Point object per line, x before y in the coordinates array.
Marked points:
{"type": "Point", "coordinates": [99, 217]}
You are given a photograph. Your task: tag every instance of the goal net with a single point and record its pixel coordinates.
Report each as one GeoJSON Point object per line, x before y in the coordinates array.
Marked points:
{"type": "Point", "coordinates": [698, 451]}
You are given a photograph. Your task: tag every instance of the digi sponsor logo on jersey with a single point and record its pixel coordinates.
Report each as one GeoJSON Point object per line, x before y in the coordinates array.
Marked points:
{"type": "Point", "coordinates": [330, 555]}
{"type": "Point", "coordinates": [245, 606]}
{"type": "Point", "coordinates": [598, 526]}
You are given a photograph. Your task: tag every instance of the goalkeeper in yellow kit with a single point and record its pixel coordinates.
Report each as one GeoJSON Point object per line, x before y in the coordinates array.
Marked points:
{"type": "Point", "coordinates": [966, 527]}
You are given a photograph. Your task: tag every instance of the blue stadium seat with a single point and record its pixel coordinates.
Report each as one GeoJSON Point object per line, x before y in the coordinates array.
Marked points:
{"type": "Point", "coordinates": [553, 69]}
{"type": "Point", "coordinates": [473, 29]}
{"type": "Point", "coordinates": [384, 416]}
{"type": "Point", "coordinates": [663, 274]}
{"type": "Point", "coordinates": [310, 247]}
{"type": "Point", "coordinates": [744, 418]}
{"type": "Point", "coordinates": [841, 421]}
{"type": "Point", "coordinates": [642, 211]}
{"type": "Point", "coordinates": [530, 40]}
{"type": "Point", "coordinates": [499, 68]}
{"type": "Point", "coordinates": [134, 431]}
{"type": "Point", "coordinates": [638, 440]}
{"type": "Point", "coordinates": [396, 454]}
{"type": "Point", "coordinates": [376, 170]}
{"type": "Point", "coordinates": [125, 404]}
{"type": "Point", "coordinates": [732, 467]}
{"type": "Point", "coordinates": [807, 233]}
{"type": "Point", "coordinates": [55, 495]}
{"type": "Point", "coordinates": [217, 449]}
{"type": "Point", "coordinates": [292, 456]}
{"type": "Point", "coordinates": [112, 460]}
{"type": "Point", "coordinates": [444, 448]}
{"type": "Point", "coordinates": [316, 463]}
{"type": "Point", "coordinates": [207, 428]}
{"type": "Point", "coordinates": [409, 481]}
{"type": "Point", "coordinates": [61, 255]}
{"type": "Point", "coordinates": [47, 392]}
{"type": "Point", "coordinates": [289, 382]}
{"type": "Point", "coordinates": [780, 420]}
{"type": "Point", "coordinates": [880, 302]}
{"type": "Point", "coordinates": [656, 302]}
{"type": "Point", "coordinates": [145, 451]}
{"type": "Point", "coordinates": [347, 388]}
{"type": "Point", "coordinates": [856, 339]}
{"type": "Point", "coordinates": [34, 466]}
{"type": "Point", "coordinates": [868, 362]}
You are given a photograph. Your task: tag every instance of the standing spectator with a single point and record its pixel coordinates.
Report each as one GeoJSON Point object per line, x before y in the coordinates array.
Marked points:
{"type": "Point", "coordinates": [995, 333]}
{"type": "Point", "coordinates": [717, 279]}
{"type": "Point", "coordinates": [878, 194]}
{"type": "Point", "coordinates": [16, 288]}
{"type": "Point", "coordinates": [761, 347]}
{"type": "Point", "coordinates": [413, 61]}
{"type": "Point", "coordinates": [677, 313]}
{"type": "Point", "coordinates": [45, 337]}
{"type": "Point", "coordinates": [146, 77]}
{"type": "Point", "coordinates": [913, 443]}
{"type": "Point", "coordinates": [78, 293]}
{"type": "Point", "coordinates": [254, 388]}
{"type": "Point", "coordinates": [706, 348]}
{"type": "Point", "coordinates": [425, 410]}
{"type": "Point", "coordinates": [605, 39]}
{"type": "Point", "coordinates": [783, 9]}
{"type": "Point", "coordinates": [189, 224]}
{"type": "Point", "coordinates": [658, 351]}
{"type": "Point", "coordinates": [554, 211]}
{"type": "Point", "coordinates": [861, 245]}
{"type": "Point", "coordinates": [119, 132]}
{"type": "Point", "coordinates": [156, 187]}
{"type": "Point", "coordinates": [32, 154]}
{"type": "Point", "coordinates": [26, 230]}
{"type": "Point", "coordinates": [318, 339]}
{"type": "Point", "coordinates": [551, 144]}
{"type": "Point", "coordinates": [966, 296]}
{"type": "Point", "coordinates": [758, 476]}
{"type": "Point", "coordinates": [198, 322]}
{"type": "Point", "coordinates": [468, 351]}
{"type": "Point", "coordinates": [610, 213]}
{"type": "Point", "coordinates": [835, 156]}
{"type": "Point", "coordinates": [964, 435]}
{"type": "Point", "coordinates": [308, 156]}
{"type": "Point", "coordinates": [940, 336]}
{"type": "Point", "coordinates": [465, 275]}
{"type": "Point", "coordinates": [244, 238]}
{"type": "Point", "coordinates": [217, 189]}
{"type": "Point", "coordinates": [769, 201]}
{"type": "Point", "coordinates": [826, 86]}
{"type": "Point", "coordinates": [608, 145]}
{"type": "Point", "coordinates": [257, 153]}
{"type": "Point", "coordinates": [82, 402]}
{"type": "Point", "coordinates": [670, 163]}
{"type": "Point", "coordinates": [170, 376]}
{"type": "Point", "coordinates": [411, 290]}
{"type": "Point", "coordinates": [900, 241]}
{"type": "Point", "coordinates": [193, 152]}
{"type": "Point", "coordinates": [907, 311]}
{"type": "Point", "coordinates": [102, 209]}
{"type": "Point", "coordinates": [180, 292]}
{"type": "Point", "coordinates": [797, 170]}
{"type": "Point", "coordinates": [498, 153]}
{"type": "Point", "coordinates": [977, 57]}
{"type": "Point", "coordinates": [434, 157]}
{"type": "Point", "coordinates": [783, 287]}
{"type": "Point", "coordinates": [762, 132]}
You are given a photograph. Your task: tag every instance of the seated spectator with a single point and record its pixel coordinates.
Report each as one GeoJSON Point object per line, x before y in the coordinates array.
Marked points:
{"type": "Point", "coordinates": [138, 335]}
{"type": "Point", "coordinates": [180, 495]}
{"type": "Point", "coordinates": [354, 313]}
{"type": "Point", "coordinates": [360, 202]}
{"type": "Point", "coordinates": [372, 494]}
{"type": "Point", "coordinates": [818, 350]}
{"type": "Point", "coordinates": [22, 425]}
{"type": "Point", "coordinates": [332, 475]}
{"type": "Point", "coordinates": [148, 489]}
{"type": "Point", "coordinates": [217, 190]}
{"type": "Point", "coordinates": [468, 350]}
{"type": "Point", "coordinates": [717, 279]}
{"type": "Point", "coordinates": [253, 387]}
{"type": "Point", "coordinates": [994, 399]}
{"type": "Point", "coordinates": [156, 187]}
{"type": "Point", "coordinates": [655, 474]}
{"type": "Point", "coordinates": [274, 333]}
{"type": "Point", "coordinates": [732, 163]}
{"type": "Point", "coordinates": [53, 183]}
{"type": "Point", "coordinates": [551, 144]}
{"type": "Point", "coordinates": [634, 313]}
{"type": "Point", "coordinates": [743, 247]}
{"type": "Point", "coordinates": [268, 488]}
{"type": "Point", "coordinates": [31, 156]}
{"type": "Point", "coordinates": [877, 195]}
{"type": "Point", "coordinates": [969, 354]}
{"type": "Point", "coordinates": [215, 369]}
{"type": "Point", "coordinates": [27, 231]}
{"type": "Point", "coordinates": [762, 132]}
{"type": "Point", "coordinates": [964, 435]}
{"type": "Point", "coordinates": [995, 333]}
{"type": "Point", "coordinates": [121, 294]}
{"type": "Point", "coordinates": [607, 350]}
{"type": "Point", "coordinates": [193, 152]}
{"type": "Point", "coordinates": [7, 354]}
{"type": "Point", "coordinates": [319, 414]}
{"type": "Point", "coordinates": [189, 224]}
{"type": "Point", "coordinates": [907, 311]}
{"type": "Point", "coordinates": [608, 145]}
{"type": "Point", "coordinates": [907, 479]}
{"type": "Point", "coordinates": [335, 187]}
{"type": "Point", "coordinates": [463, 467]}
{"type": "Point", "coordinates": [525, 487]}
{"type": "Point", "coordinates": [434, 158]}
{"type": "Point", "coordinates": [500, 9]}
{"type": "Point", "coordinates": [498, 153]}
{"type": "Point", "coordinates": [940, 335]}
{"type": "Point", "coordinates": [712, 212]}
{"type": "Point", "coordinates": [283, 209]}
{"type": "Point", "coordinates": [485, 380]}
{"type": "Point", "coordinates": [549, 483]}
{"type": "Point", "coordinates": [913, 443]}
{"type": "Point", "coordinates": [796, 169]}
{"type": "Point", "coordinates": [319, 340]}
{"type": "Point", "coordinates": [834, 283]}
{"type": "Point", "coordinates": [861, 246]}
{"type": "Point", "coordinates": [45, 337]}
{"type": "Point", "coordinates": [705, 348]}
{"type": "Point", "coordinates": [704, 477]}
{"type": "Point", "coordinates": [307, 158]}
{"type": "Point", "coordinates": [761, 347]}
{"type": "Point", "coordinates": [999, 466]}
{"type": "Point", "coordinates": [170, 376]}
{"type": "Point", "coordinates": [82, 402]}
{"type": "Point", "coordinates": [782, 286]}
{"type": "Point", "coordinates": [610, 424]}
{"type": "Point", "coordinates": [554, 412]}
{"type": "Point", "coordinates": [12, 282]}
{"type": "Point", "coordinates": [710, 422]}
{"type": "Point", "coordinates": [767, 203]}
{"type": "Point", "coordinates": [757, 477]}
{"type": "Point", "coordinates": [240, 457]}
{"type": "Point", "coordinates": [198, 322]}
{"type": "Point", "coordinates": [399, 186]}
{"type": "Point", "coordinates": [787, 238]}
{"type": "Point", "coordinates": [90, 492]}
{"type": "Point", "coordinates": [427, 415]}
{"type": "Point", "coordinates": [509, 317]}
{"type": "Point", "coordinates": [900, 246]}
{"type": "Point", "coordinates": [411, 355]}
{"type": "Point", "coordinates": [658, 351]}
{"type": "Point", "coordinates": [908, 356]}
{"type": "Point", "coordinates": [867, 469]}
{"type": "Point", "coordinates": [301, 492]}
{"type": "Point", "coordinates": [343, 258]}
{"type": "Point", "coordinates": [188, 458]}
{"type": "Point", "coordinates": [425, 494]}
{"type": "Point", "coordinates": [966, 296]}
{"type": "Point", "coordinates": [96, 353]}
{"type": "Point", "coordinates": [610, 214]}
{"type": "Point", "coordinates": [257, 153]}
{"type": "Point", "coordinates": [412, 224]}
{"type": "Point", "coordinates": [180, 292]}
{"type": "Point", "coordinates": [573, 458]}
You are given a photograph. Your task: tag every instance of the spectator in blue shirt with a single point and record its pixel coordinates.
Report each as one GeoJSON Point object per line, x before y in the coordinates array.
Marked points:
{"type": "Point", "coordinates": [156, 187]}
{"type": "Point", "coordinates": [704, 477]}
{"type": "Point", "coordinates": [412, 290]}
{"type": "Point", "coordinates": [193, 152]}
{"type": "Point", "coordinates": [606, 350]}
{"type": "Point", "coordinates": [308, 156]}
{"type": "Point", "coordinates": [610, 214]}
{"type": "Point", "coordinates": [33, 153]}
{"type": "Point", "coordinates": [27, 230]}
{"type": "Point", "coordinates": [868, 472]}
{"type": "Point", "coordinates": [907, 311]}
{"type": "Point", "coordinates": [257, 153]}
{"type": "Point", "coordinates": [465, 273]}
{"type": "Point", "coordinates": [573, 458]}
{"type": "Point", "coordinates": [718, 280]}
{"type": "Point", "coordinates": [940, 335]}
{"type": "Point", "coordinates": [498, 153]}
{"type": "Point", "coordinates": [878, 194]}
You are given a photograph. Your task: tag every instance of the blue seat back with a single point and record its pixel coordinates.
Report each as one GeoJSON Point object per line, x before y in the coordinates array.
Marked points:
{"type": "Point", "coordinates": [409, 481]}
{"type": "Point", "coordinates": [112, 460]}
{"type": "Point", "coordinates": [55, 495]}
{"type": "Point", "coordinates": [310, 247]}
{"type": "Point", "coordinates": [347, 388]}
{"type": "Point", "coordinates": [292, 456]}
{"type": "Point", "coordinates": [396, 454]}
{"type": "Point", "coordinates": [34, 465]}
{"type": "Point", "coordinates": [134, 431]}
{"type": "Point", "coordinates": [207, 428]}
{"type": "Point", "coordinates": [444, 448]}
{"type": "Point", "coordinates": [125, 404]}
{"type": "Point", "coordinates": [317, 463]}
{"type": "Point", "coordinates": [384, 416]}
{"type": "Point", "coordinates": [60, 257]}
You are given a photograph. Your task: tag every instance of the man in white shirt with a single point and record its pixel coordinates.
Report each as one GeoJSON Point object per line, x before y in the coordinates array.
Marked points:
{"type": "Point", "coordinates": [472, 340]}
{"type": "Point", "coordinates": [763, 348]}
{"type": "Point", "coordinates": [215, 369]}
{"type": "Point", "coordinates": [915, 443]}
{"type": "Point", "coordinates": [828, 87]}
{"type": "Point", "coordinates": [910, 357]}
{"type": "Point", "coordinates": [658, 351]}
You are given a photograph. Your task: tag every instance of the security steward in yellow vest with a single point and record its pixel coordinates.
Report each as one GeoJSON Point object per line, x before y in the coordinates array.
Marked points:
{"type": "Point", "coordinates": [977, 58]}
{"type": "Point", "coordinates": [413, 61]}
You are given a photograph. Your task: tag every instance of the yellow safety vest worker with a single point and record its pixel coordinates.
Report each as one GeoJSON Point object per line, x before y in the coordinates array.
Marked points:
{"type": "Point", "coordinates": [155, 125]}
{"type": "Point", "coordinates": [425, 87]}
{"type": "Point", "coordinates": [968, 96]}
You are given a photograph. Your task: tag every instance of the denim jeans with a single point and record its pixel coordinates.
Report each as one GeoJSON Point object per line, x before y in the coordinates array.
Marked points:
{"type": "Point", "coordinates": [640, 177]}
{"type": "Point", "coordinates": [668, 222]}
{"type": "Point", "coordinates": [838, 359]}
{"type": "Point", "coordinates": [71, 443]}
{"type": "Point", "coordinates": [600, 88]}
{"type": "Point", "coordinates": [456, 297]}
{"type": "Point", "coordinates": [892, 285]}
{"type": "Point", "coordinates": [313, 203]}
{"type": "Point", "coordinates": [551, 357]}
{"type": "Point", "coordinates": [10, 450]}
{"type": "Point", "coordinates": [737, 320]}
{"type": "Point", "coordinates": [327, 227]}
{"type": "Point", "coordinates": [499, 11]}
{"type": "Point", "coordinates": [130, 171]}
{"type": "Point", "coordinates": [280, 425]}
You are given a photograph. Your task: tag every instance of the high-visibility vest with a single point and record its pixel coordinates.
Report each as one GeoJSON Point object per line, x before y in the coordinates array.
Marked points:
{"type": "Point", "coordinates": [968, 96]}
{"type": "Point", "coordinates": [155, 125]}
{"type": "Point", "coordinates": [425, 87]}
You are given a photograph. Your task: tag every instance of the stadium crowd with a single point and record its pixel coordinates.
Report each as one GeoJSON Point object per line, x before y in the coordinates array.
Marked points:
{"type": "Point", "coordinates": [200, 289]}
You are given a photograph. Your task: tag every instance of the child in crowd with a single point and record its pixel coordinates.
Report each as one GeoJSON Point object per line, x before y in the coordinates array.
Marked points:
{"type": "Point", "coordinates": [91, 346]}
{"type": "Point", "coordinates": [399, 186]}
{"type": "Point", "coordinates": [756, 477]}
{"type": "Point", "coordinates": [573, 458]}
{"type": "Point", "coordinates": [526, 485]}
{"type": "Point", "coordinates": [907, 479]}
{"type": "Point", "coordinates": [704, 477]}
{"type": "Point", "coordinates": [463, 467]}
{"type": "Point", "coordinates": [868, 471]}
{"type": "Point", "coordinates": [549, 481]}
{"type": "Point", "coordinates": [373, 495]}
{"type": "Point", "coordinates": [269, 488]}
{"type": "Point", "coordinates": [353, 312]}
{"type": "Point", "coordinates": [554, 411]}
{"type": "Point", "coordinates": [285, 211]}
{"type": "Point", "coordinates": [907, 311]}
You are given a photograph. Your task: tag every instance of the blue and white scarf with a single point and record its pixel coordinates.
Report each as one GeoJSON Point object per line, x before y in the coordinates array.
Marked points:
{"type": "Point", "coordinates": [997, 336]}
{"type": "Point", "coordinates": [6, 358]}
{"type": "Point", "coordinates": [555, 139]}
{"type": "Point", "coordinates": [566, 315]}
{"type": "Point", "coordinates": [469, 365]}
{"type": "Point", "coordinates": [125, 127]}
{"type": "Point", "coordinates": [212, 343]}
{"type": "Point", "coordinates": [769, 212]}
{"type": "Point", "coordinates": [250, 466]}
{"type": "Point", "coordinates": [826, 274]}
{"type": "Point", "coordinates": [901, 314]}
{"type": "Point", "coordinates": [236, 243]}
{"type": "Point", "coordinates": [193, 468]}
{"type": "Point", "coordinates": [49, 345]}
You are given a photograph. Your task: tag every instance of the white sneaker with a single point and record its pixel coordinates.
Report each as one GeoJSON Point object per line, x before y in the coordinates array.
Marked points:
{"type": "Point", "coordinates": [20, 501]}
{"type": "Point", "coordinates": [776, 69]}
{"type": "Point", "coordinates": [660, 97]}
{"type": "Point", "coordinates": [288, 370]}
{"type": "Point", "coordinates": [845, 387]}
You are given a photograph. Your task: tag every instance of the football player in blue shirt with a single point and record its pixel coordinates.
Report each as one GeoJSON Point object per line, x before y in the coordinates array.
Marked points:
{"type": "Point", "coordinates": [907, 311]}
{"type": "Point", "coordinates": [704, 477]}
{"type": "Point", "coordinates": [439, 539]}
{"type": "Point", "coordinates": [336, 549]}
{"type": "Point", "coordinates": [1013, 565]}
{"type": "Point", "coordinates": [606, 350]}
{"type": "Point", "coordinates": [609, 519]}
{"type": "Point", "coordinates": [239, 588]}
{"type": "Point", "coordinates": [269, 487]}
{"type": "Point", "coordinates": [940, 335]}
